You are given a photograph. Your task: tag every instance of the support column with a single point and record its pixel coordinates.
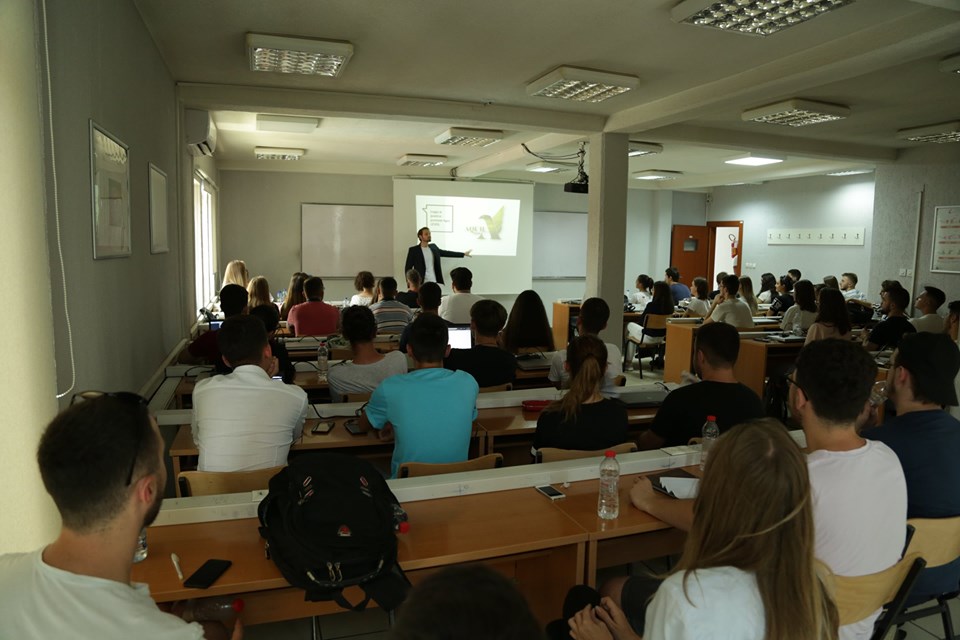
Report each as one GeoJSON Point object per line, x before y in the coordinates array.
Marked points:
{"type": "Point", "coordinates": [28, 378]}
{"type": "Point", "coordinates": [607, 227]}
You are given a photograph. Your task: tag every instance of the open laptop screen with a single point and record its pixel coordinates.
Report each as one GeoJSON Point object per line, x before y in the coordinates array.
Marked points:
{"type": "Point", "coordinates": [460, 337]}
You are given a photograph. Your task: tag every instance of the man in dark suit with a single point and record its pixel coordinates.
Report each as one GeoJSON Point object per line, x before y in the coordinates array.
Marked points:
{"type": "Point", "coordinates": [429, 269]}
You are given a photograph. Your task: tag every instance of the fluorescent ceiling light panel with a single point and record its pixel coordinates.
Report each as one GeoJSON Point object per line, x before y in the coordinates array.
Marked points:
{"type": "Point", "coordinates": [309, 56]}
{"type": "Point", "coordinates": [657, 174]}
{"type": "Point", "coordinates": [286, 124]}
{"type": "Point", "coordinates": [945, 132]}
{"type": "Point", "coordinates": [951, 64]}
{"type": "Point", "coordinates": [415, 160]}
{"type": "Point", "coordinates": [752, 17]}
{"type": "Point", "coordinates": [796, 113]}
{"type": "Point", "coordinates": [850, 172]}
{"type": "Point", "coordinates": [581, 85]}
{"type": "Point", "coordinates": [278, 153]}
{"type": "Point", "coordinates": [550, 167]}
{"type": "Point", "coordinates": [753, 160]}
{"type": "Point", "coordinates": [636, 149]}
{"type": "Point", "coordinates": [469, 137]}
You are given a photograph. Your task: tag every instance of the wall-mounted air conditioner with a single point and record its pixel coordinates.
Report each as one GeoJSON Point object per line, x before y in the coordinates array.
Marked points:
{"type": "Point", "coordinates": [201, 133]}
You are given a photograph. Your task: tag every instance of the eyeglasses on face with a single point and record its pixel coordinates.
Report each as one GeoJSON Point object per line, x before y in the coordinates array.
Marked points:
{"type": "Point", "coordinates": [123, 396]}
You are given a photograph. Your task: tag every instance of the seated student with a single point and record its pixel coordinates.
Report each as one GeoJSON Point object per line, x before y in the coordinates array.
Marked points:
{"type": "Point", "coordinates": [429, 411]}
{"type": "Point", "coordinates": [795, 275]}
{"type": "Point", "coordinates": [244, 420]}
{"type": "Point", "coordinates": [258, 292]}
{"type": "Point", "coordinates": [661, 305]}
{"type": "Point", "coordinates": [644, 292]}
{"type": "Point", "coordinates": [527, 327]}
{"type": "Point", "coordinates": [848, 285]}
{"type": "Point", "coordinates": [833, 319]}
{"type": "Point", "coordinates": [783, 299]}
{"type": "Point", "coordinates": [831, 282]}
{"type": "Point", "coordinates": [455, 307]}
{"type": "Point", "coordinates": [728, 308]}
{"type": "Point", "coordinates": [887, 333]}
{"type": "Point", "coordinates": [768, 288]}
{"type": "Point", "coordinates": [926, 438]}
{"type": "Point", "coordinates": [678, 290]}
{"type": "Point", "coordinates": [236, 273]}
{"type": "Point", "coordinates": [313, 317]}
{"type": "Point", "coordinates": [748, 569]}
{"type": "Point", "coordinates": [204, 350]}
{"type": "Point", "coordinates": [429, 300]}
{"type": "Point", "coordinates": [294, 294]}
{"type": "Point", "coordinates": [927, 303]}
{"type": "Point", "coordinates": [363, 283]}
{"type": "Point", "coordinates": [698, 306]}
{"type": "Point", "coordinates": [102, 463]}
{"type": "Point", "coordinates": [803, 312]}
{"type": "Point", "coordinates": [368, 368]}
{"type": "Point", "coordinates": [747, 295]}
{"type": "Point", "coordinates": [684, 410]}
{"type": "Point", "coordinates": [716, 292]}
{"type": "Point", "coordinates": [594, 313]}
{"type": "Point", "coordinates": [409, 297]}
{"type": "Point", "coordinates": [392, 316]}
{"type": "Point", "coordinates": [270, 317]}
{"type": "Point", "coordinates": [952, 323]}
{"type": "Point", "coordinates": [583, 419]}
{"type": "Point", "coordinates": [486, 361]}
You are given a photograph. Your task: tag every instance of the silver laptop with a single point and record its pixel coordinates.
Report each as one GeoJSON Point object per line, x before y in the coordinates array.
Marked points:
{"type": "Point", "coordinates": [535, 361]}
{"type": "Point", "coordinates": [643, 397]}
{"type": "Point", "coordinates": [460, 337]}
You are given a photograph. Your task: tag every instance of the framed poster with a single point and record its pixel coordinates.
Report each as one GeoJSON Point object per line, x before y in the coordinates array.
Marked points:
{"type": "Point", "coordinates": [157, 181]}
{"type": "Point", "coordinates": [110, 194]}
{"type": "Point", "coordinates": [946, 240]}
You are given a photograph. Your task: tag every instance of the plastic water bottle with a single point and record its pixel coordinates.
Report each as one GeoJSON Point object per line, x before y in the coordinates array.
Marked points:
{"type": "Point", "coordinates": [710, 434]}
{"type": "Point", "coordinates": [323, 361]}
{"type": "Point", "coordinates": [210, 609]}
{"type": "Point", "coordinates": [140, 554]}
{"type": "Point", "coordinates": [608, 504]}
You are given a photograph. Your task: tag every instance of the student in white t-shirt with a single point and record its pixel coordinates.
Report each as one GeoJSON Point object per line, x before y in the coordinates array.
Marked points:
{"type": "Point", "coordinates": [748, 570]}
{"type": "Point", "coordinates": [594, 313]}
{"type": "Point", "coordinates": [727, 307]}
{"type": "Point", "coordinates": [368, 368]}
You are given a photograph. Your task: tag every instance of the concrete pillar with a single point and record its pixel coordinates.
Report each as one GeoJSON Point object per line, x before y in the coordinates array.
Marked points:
{"type": "Point", "coordinates": [28, 377]}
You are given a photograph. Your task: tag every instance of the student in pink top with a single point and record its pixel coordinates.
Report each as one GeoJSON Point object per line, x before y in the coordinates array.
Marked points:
{"type": "Point", "coordinates": [833, 319]}
{"type": "Point", "coordinates": [313, 317]}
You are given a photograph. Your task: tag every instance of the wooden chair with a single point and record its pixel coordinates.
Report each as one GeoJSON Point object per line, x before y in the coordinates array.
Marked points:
{"type": "Point", "coordinates": [651, 322]}
{"type": "Point", "coordinates": [417, 469]}
{"type": "Point", "coordinates": [499, 387]}
{"type": "Point", "coordinates": [552, 454]}
{"type": "Point", "coordinates": [356, 397]}
{"type": "Point", "coordinates": [208, 483]}
{"type": "Point", "coordinates": [937, 540]}
{"type": "Point", "coordinates": [858, 597]}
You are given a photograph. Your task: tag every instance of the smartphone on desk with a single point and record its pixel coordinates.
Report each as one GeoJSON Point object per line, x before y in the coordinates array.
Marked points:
{"type": "Point", "coordinates": [550, 492]}
{"type": "Point", "coordinates": [322, 428]}
{"type": "Point", "coordinates": [207, 574]}
{"type": "Point", "coordinates": [353, 426]}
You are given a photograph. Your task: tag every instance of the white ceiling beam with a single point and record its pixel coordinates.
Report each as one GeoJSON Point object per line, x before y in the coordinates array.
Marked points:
{"type": "Point", "coordinates": [513, 155]}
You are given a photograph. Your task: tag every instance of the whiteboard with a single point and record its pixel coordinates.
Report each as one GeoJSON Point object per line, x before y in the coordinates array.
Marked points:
{"type": "Point", "coordinates": [559, 245]}
{"type": "Point", "coordinates": [340, 240]}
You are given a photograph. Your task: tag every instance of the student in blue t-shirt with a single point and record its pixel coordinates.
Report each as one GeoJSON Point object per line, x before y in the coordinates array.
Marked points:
{"type": "Point", "coordinates": [679, 290]}
{"type": "Point", "coordinates": [429, 411]}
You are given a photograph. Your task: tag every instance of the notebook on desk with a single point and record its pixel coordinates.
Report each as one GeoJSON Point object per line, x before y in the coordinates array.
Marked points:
{"type": "Point", "coordinates": [534, 361]}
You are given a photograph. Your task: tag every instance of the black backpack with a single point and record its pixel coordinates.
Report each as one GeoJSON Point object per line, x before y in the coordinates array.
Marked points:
{"type": "Point", "coordinates": [329, 521]}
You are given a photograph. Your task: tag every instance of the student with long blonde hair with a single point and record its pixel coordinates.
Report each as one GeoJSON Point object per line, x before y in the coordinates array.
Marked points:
{"type": "Point", "coordinates": [236, 273]}
{"type": "Point", "coordinates": [583, 419]}
{"type": "Point", "coordinates": [747, 295]}
{"type": "Point", "coordinates": [748, 569]}
{"type": "Point", "coordinates": [259, 290]}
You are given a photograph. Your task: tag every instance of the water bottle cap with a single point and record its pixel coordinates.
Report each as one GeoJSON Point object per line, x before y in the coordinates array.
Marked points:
{"type": "Point", "coordinates": [403, 527]}
{"type": "Point", "coordinates": [610, 453]}
{"type": "Point", "coordinates": [238, 605]}
{"type": "Point", "coordinates": [711, 418]}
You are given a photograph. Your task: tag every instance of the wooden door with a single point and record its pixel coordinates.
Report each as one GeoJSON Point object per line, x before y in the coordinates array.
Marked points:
{"type": "Point", "coordinates": [689, 252]}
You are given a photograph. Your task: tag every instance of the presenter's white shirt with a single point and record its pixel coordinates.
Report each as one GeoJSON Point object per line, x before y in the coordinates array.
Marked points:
{"type": "Point", "coordinates": [930, 322]}
{"type": "Point", "coordinates": [245, 420]}
{"type": "Point", "coordinates": [40, 602]}
{"type": "Point", "coordinates": [859, 514]}
{"type": "Point", "coordinates": [455, 307]}
{"type": "Point", "coordinates": [735, 312]}
{"type": "Point", "coordinates": [614, 368]}
{"type": "Point", "coordinates": [721, 603]}
{"type": "Point", "coordinates": [429, 275]}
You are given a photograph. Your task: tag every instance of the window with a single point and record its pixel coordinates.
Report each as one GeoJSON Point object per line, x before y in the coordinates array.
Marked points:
{"type": "Point", "coordinates": [204, 239]}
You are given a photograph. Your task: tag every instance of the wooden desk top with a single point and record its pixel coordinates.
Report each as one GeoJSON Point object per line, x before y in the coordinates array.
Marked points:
{"type": "Point", "coordinates": [515, 420]}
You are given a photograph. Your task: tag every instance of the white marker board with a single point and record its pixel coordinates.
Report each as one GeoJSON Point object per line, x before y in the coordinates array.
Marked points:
{"type": "Point", "coordinates": [340, 240]}
{"type": "Point", "coordinates": [559, 245]}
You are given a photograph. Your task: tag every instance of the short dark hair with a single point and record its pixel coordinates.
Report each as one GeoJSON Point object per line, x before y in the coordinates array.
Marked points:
{"type": "Point", "coordinates": [428, 338]}
{"type": "Point", "coordinates": [933, 361]}
{"type": "Point", "coordinates": [462, 278]}
{"type": "Point", "coordinates": [85, 454]}
{"type": "Point", "coordinates": [937, 295]}
{"type": "Point", "coordinates": [468, 602]}
{"type": "Point", "coordinates": [731, 284]}
{"type": "Point", "coordinates": [429, 296]}
{"type": "Point", "coordinates": [954, 307]}
{"type": "Point", "coordinates": [852, 277]}
{"type": "Point", "coordinates": [388, 287]}
{"type": "Point", "coordinates": [720, 344]}
{"type": "Point", "coordinates": [795, 274]}
{"type": "Point", "coordinates": [413, 276]}
{"type": "Point", "coordinates": [489, 316]}
{"type": "Point", "coordinates": [313, 287]}
{"type": "Point", "coordinates": [421, 230]}
{"type": "Point", "coordinates": [899, 297]}
{"type": "Point", "coordinates": [357, 324]}
{"type": "Point", "coordinates": [364, 280]}
{"type": "Point", "coordinates": [233, 299]}
{"type": "Point", "coordinates": [594, 313]}
{"type": "Point", "coordinates": [673, 273]}
{"type": "Point", "coordinates": [786, 282]}
{"type": "Point", "coordinates": [720, 277]}
{"type": "Point", "coordinates": [269, 315]}
{"type": "Point", "coordinates": [241, 340]}
{"type": "Point", "coordinates": [836, 376]}
{"type": "Point", "coordinates": [888, 285]}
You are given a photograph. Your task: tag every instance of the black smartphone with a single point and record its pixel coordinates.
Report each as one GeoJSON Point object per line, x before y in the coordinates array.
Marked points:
{"type": "Point", "coordinates": [206, 575]}
{"type": "Point", "coordinates": [550, 492]}
{"type": "Point", "coordinates": [353, 426]}
{"type": "Point", "coordinates": [322, 427]}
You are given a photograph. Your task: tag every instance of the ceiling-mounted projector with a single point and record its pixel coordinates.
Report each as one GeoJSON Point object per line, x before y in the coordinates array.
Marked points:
{"type": "Point", "coordinates": [577, 187]}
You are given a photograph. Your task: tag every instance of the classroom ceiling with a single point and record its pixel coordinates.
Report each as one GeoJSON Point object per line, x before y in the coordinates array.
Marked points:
{"type": "Point", "coordinates": [421, 66]}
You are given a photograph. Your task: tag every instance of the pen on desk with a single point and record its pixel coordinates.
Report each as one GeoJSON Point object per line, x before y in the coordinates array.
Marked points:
{"type": "Point", "coordinates": [176, 565]}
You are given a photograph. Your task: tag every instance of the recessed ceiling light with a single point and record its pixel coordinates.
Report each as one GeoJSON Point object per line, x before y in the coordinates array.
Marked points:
{"type": "Point", "coordinates": [278, 153]}
{"type": "Point", "coordinates": [657, 174]}
{"type": "Point", "coordinates": [752, 17]}
{"type": "Point", "coordinates": [418, 160]}
{"type": "Point", "coordinates": [286, 124]}
{"type": "Point", "coordinates": [796, 113]}
{"type": "Point", "coordinates": [309, 56]}
{"type": "Point", "coordinates": [850, 172]}
{"type": "Point", "coordinates": [550, 167]}
{"type": "Point", "coordinates": [944, 132]}
{"type": "Point", "coordinates": [753, 160]}
{"type": "Point", "coordinates": [469, 137]}
{"type": "Point", "coordinates": [581, 85]}
{"type": "Point", "coordinates": [951, 64]}
{"type": "Point", "coordinates": [635, 149]}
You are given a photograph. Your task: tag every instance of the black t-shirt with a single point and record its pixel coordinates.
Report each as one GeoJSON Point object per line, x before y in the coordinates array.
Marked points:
{"type": "Point", "coordinates": [408, 298]}
{"type": "Point", "coordinates": [683, 412]}
{"type": "Point", "coordinates": [781, 303]}
{"type": "Point", "coordinates": [490, 366]}
{"type": "Point", "coordinates": [598, 425]}
{"type": "Point", "coordinates": [887, 334]}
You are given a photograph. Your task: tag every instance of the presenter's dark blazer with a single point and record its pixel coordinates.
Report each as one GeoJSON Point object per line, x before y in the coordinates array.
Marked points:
{"type": "Point", "coordinates": [415, 260]}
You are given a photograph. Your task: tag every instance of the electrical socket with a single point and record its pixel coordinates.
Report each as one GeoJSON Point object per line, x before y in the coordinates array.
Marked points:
{"type": "Point", "coordinates": [902, 272]}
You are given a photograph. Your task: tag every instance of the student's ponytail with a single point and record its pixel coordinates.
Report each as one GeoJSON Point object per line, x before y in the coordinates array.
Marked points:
{"type": "Point", "coordinates": [587, 357]}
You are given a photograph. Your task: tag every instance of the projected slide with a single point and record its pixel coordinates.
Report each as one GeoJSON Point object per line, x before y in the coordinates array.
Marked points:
{"type": "Point", "coordinates": [486, 226]}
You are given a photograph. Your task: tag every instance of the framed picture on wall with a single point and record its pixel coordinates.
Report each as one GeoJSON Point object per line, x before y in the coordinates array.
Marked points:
{"type": "Point", "coordinates": [946, 240]}
{"type": "Point", "coordinates": [110, 194]}
{"type": "Point", "coordinates": [158, 210]}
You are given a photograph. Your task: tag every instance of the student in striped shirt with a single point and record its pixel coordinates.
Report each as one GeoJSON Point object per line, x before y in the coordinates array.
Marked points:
{"type": "Point", "coordinates": [392, 316]}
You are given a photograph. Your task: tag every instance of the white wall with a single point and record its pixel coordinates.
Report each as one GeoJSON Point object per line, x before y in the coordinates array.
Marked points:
{"type": "Point", "coordinates": [820, 201]}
